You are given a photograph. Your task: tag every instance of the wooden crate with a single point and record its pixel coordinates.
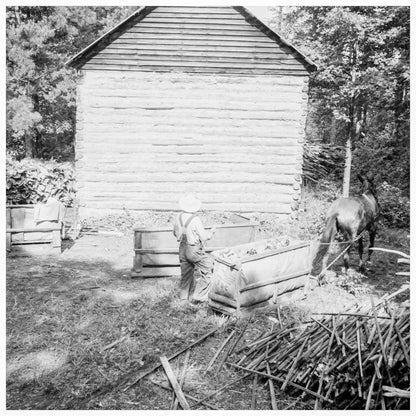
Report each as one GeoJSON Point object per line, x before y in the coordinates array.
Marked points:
{"type": "Point", "coordinates": [156, 251]}
{"type": "Point", "coordinates": [249, 281]}
{"type": "Point", "coordinates": [25, 236]}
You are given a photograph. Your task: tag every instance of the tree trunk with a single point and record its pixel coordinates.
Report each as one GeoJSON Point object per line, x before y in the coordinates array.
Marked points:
{"type": "Point", "coordinates": [28, 145]}
{"type": "Point", "coordinates": [347, 169]}
{"type": "Point", "coordinates": [353, 116]}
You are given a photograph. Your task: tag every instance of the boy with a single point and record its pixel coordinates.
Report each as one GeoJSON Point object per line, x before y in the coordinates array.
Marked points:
{"type": "Point", "coordinates": [196, 264]}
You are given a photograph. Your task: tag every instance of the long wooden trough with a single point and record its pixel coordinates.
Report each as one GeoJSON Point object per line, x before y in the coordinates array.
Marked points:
{"type": "Point", "coordinates": [156, 251]}
{"type": "Point", "coordinates": [249, 275]}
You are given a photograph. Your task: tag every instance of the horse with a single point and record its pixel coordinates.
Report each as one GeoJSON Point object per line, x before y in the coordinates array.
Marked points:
{"type": "Point", "coordinates": [351, 217]}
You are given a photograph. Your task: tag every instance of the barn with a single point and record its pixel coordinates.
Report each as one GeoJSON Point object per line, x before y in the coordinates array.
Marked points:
{"type": "Point", "coordinates": [207, 100]}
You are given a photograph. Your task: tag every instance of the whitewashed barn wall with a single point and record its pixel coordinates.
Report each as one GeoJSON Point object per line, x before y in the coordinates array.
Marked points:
{"type": "Point", "coordinates": [143, 138]}
{"type": "Point", "coordinates": [190, 99]}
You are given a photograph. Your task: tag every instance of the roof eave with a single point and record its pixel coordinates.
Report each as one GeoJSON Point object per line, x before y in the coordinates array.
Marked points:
{"type": "Point", "coordinates": [310, 65]}
{"type": "Point", "coordinates": [138, 14]}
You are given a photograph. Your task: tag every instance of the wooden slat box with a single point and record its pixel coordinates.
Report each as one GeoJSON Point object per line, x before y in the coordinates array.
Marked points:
{"type": "Point", "coordinates": [23, 235]}
{"type": "Point", "coordinates": [248, 280]}
{"type": "Point", "coordinates": [156, 251]}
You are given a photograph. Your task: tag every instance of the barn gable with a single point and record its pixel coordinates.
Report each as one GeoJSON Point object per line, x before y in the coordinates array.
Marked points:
{"type": "Point", "coordinates": [190, 99]}
{"type": "Point", "coordinates": [193, 39]}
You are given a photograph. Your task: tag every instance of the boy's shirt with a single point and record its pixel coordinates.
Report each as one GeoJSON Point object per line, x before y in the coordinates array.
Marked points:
{"type": "Point", "coordinates": [195, 231]}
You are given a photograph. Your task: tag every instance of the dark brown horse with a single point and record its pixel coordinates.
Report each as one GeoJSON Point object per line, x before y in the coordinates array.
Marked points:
{"type": "Point", "coordinates": [351, 217]}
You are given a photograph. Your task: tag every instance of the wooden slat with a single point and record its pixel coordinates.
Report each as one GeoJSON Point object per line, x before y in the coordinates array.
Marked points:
{"type": "Point", "coordinates": [240, 160]}
{"type": "Point", "coordinates": [174, 383]}
{"type": "Point", "coordinates": [158, 136]}
{"type": "Point", "coordinates": [229, 177]}
{"type": "Point", "coordinates": [132, 167]}
{"type": "Point", "coordinates": [206, 10]}
{"type": "Point", "coordinates": [154, 104]}
{"type": "Point", "coordinates": [110, 79]}
{"type": "Point", "coordinates": [186, 39]}
{"type": "Point", "coordinates": [214, 198]}
{"type": "Point", "coordinates": [189, 150]}
{"type": "Point", "coordinates": [182, 63]}
{"type": "Point", "coordinates": [166, 140]}
{"type": "Point", "coordinates": [207, 129]}
{"type": "Point", "coordinates": [190, 46]}
{"type": "Point", "coordinates": [199, 70]}
{"type": "Point", "coordinates": [198, 29]}
{"type": "Point", "coordinates": [202, 187]}
{"type": "Point", "coordinates": [115, 204]}
{"type": "Point", "coordinates": [193, 20]}
{"type": "Point", "coordinates": [195, 117]}
{"type": "Point", "coordinates": [197, 14]}
{"type": "Point", "coordinates": [184, 53]}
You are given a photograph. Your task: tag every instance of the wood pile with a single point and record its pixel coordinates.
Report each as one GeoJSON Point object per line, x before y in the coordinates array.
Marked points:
{"type": "Point", "coordinates": [354, 360]}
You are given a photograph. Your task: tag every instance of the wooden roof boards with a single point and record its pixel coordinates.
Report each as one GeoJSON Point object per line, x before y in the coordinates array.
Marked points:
{"type": "Point", "coordinates": [193, 39]}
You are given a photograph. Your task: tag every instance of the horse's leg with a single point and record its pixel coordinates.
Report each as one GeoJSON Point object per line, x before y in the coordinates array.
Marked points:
{"type": "Point", "coordinates": [348, 237]}
{"type": "Point", "coordinates": [360, 253]}
{"type": "Point", "coordinates": [372, 234]}
{"type": "Point", "coordinates": [326, 240]}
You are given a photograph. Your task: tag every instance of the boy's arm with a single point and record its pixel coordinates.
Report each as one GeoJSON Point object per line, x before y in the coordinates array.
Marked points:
{"type": "Point", "coordinates": [204, 235]}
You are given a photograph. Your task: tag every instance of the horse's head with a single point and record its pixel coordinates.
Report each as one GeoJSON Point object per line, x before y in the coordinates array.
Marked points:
{"type": "Point", "coordinates": [367, 184]}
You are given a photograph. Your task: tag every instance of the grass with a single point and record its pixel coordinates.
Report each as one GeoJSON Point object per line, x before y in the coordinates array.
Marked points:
{"type": "Point", "coordinates": [63, 314]}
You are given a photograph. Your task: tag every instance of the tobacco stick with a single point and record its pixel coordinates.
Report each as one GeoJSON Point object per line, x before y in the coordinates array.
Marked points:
{"type": "Point", "coordinates": [174, 383]}
{"type": "Point", "coordinates": [271, 388]}
{"type": "Point", "coordinates": [219, 350]}
{"type": "Point", "coordinates": [165, 387]}
{"type": "Point", "coordinates": [254, 391]}
{"type": "Point", "coordinates": [231, 349]}
{"type": "Point", "coordinates": [394, 392]}
{"type": "Point", "coordinates": [325, 327]}
{"type": "Point", "coordinates": [358, 315]}
{"type": "Point", "coordinates": [220, 389]}
{"type": "Point", "coordinates": [182, 377]}
{"type": "Point", "coordinates": [155, 367]}
{"type": "Point", "coordinates": [359, 352]}
{"type": "Point", "coordinates": [402, 344]}
{"type": "Point", "coordinates": [177, 367]}
{"type": "Point", "coordinates": [113, 344]}
{"type": "Point", "coordinates": [291, 383]}
{"type": "Point", "coordinates": [383, 351]}
{"type": "Point", "coordinates": [370, 392]}
{"type": "Point", "coordinates": [292, 368]}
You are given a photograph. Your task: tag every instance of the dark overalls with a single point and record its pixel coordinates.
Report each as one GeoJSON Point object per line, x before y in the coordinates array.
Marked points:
{"type": "Point", "coordinates": [196, 267]}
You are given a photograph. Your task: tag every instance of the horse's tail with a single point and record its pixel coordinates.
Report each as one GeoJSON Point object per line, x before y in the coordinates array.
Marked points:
{"type": "Point", "coordinates": [326, 239]}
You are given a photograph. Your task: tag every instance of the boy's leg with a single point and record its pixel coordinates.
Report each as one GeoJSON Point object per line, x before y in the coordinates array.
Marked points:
{"type": "Point", "coordinates": [187, 273]}
{"type": "Point", "coordinates": [202, 276]}
{"type": "Point", "coordinates": [187, 277]}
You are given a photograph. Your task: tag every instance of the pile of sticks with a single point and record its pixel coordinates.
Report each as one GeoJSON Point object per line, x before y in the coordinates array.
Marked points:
{"type": "Point", "coordinates": [354, 360]}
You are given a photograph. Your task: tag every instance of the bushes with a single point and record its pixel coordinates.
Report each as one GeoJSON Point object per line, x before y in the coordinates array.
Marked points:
{"type": "Point", "coordinates": [395, 208]}
{"type": "Point", "coordinates": [30, 181]}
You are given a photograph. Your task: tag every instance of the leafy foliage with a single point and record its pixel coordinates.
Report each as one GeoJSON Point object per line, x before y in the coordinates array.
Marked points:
{"type": "Point", "coordinates": [30, 181]}
{"type": "Point", "coordinates": [395, 208]}
{"type": "Point", "coordinates": [361, 89]}
{"type": "Point", "coordinates": [40, 89]}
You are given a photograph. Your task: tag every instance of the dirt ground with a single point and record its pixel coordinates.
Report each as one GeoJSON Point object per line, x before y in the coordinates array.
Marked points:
{"type": "Point", "coordinates": [65, 311]}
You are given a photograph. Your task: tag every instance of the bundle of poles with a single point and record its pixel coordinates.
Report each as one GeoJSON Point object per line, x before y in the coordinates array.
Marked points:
{"type": "Point", "coordinates": [354, 360]}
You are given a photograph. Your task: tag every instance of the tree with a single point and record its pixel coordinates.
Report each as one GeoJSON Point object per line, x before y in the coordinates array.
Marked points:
{"type": "Point", "coordinates": [40, 89]}
{"type": "Point", "coordinates": [361, 90]}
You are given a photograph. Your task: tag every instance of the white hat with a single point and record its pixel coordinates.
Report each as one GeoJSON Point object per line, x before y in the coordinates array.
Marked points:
{"type": "Point", "coordinates": [190, 203]}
